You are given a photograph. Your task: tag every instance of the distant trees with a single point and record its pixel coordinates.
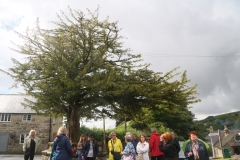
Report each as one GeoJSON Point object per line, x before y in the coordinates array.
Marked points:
{"type": "Point", "coordinates": [80, 69]}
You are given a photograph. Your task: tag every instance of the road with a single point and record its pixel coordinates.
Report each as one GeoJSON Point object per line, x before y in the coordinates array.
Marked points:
{"type": "Point", "coordinates": [17, 157]}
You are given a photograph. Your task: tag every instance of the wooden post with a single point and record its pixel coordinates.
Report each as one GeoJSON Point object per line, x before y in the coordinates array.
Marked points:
{"type": "Point", "coordinates": [220, 142]}
{"type": "Point", "coordinates": [104, 135]}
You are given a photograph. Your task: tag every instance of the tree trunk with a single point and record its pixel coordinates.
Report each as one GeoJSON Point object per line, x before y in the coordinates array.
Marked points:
{"type": "Point", "coordinates": [74, 125]}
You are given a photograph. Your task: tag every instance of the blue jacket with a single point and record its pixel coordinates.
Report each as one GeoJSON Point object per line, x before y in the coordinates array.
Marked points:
{"type": "Point", "coordinates": [202, 151]}
{"type": "Point", "coordinates": [135, 142]}
{"type": "Point", "coordinates": [62, 148]}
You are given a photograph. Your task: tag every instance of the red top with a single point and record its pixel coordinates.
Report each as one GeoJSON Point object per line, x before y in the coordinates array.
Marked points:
{"type": "Point", "coordinates": [154, 139]}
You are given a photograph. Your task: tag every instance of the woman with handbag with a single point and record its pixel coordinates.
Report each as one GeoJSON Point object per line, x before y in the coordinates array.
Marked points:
{"type": "Point", "coordinates": [142, 148]}
{"type": "Point", "coordinates": [115, 147]}
{"type": "Point", "coordinates": [30, 145]}
{"type": "Point", "coordinates": [129, 152]}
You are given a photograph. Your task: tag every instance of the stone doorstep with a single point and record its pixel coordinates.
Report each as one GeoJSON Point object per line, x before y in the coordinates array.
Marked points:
{"type": "Point", "coordinates": [46, 152]}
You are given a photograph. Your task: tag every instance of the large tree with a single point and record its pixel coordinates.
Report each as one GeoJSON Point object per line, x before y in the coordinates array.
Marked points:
{"type": "Point", "coordinates": [68, 69]}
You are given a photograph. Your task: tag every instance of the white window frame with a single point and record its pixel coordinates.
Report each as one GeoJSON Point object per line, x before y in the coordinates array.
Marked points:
{"type": "Point", "coordinates": [6, 117]}
{"type": "Point", "coordinates": [22, 137]}
{"type": "Point", "coordinates": [27, 117]}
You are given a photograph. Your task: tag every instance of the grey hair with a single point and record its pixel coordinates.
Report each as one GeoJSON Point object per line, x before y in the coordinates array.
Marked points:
{"type": "Point", "coordinates": [128, 138]}
{"type": "Point", "coordinates": [32, 130]}
{"type": "Point", "coordinates": [62, 130]}
{"type": "Point", "coordinates": [153, 130]}
{"type": "Point", "coordinates": [112, 133]}
{"type": "Point", "coordinates": [128, 133]}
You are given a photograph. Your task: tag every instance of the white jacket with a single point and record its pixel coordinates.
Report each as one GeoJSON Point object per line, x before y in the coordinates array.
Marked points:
{"type": "Point", "coordinates": [142, 150]}
{"type": "Point", "coordinates": [27, 142]}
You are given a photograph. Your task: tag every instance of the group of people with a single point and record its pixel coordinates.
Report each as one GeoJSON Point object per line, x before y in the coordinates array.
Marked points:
{"type": "Point", "coordinates": [62, 149]}
{"type": "Point", "coordinates": [161, 147]}
{"type": "Point", "coordinates": [130, 150]}
{"type": "Point", "coordinates": [87, 147]}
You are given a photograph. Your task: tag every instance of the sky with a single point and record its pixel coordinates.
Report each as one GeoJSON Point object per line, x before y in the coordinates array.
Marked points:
{"type": "Point", "coordinates": [201, 37]}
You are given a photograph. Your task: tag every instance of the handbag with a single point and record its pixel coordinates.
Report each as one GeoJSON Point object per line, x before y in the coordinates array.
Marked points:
{"type": "Point", "coordinates": [117, 155]}
{"type": "Point", "coordinates": [129, 157]}
{"type": "Point", "coordinates": [27, 152]}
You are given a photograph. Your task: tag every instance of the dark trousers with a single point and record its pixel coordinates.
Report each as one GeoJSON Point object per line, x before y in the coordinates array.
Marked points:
{"type": "Point", "coordinates": [90, 158]}
{"type": "Point", "coordinates": [156, 157]}
{"type": "Point", "coordinates": [31, 156]}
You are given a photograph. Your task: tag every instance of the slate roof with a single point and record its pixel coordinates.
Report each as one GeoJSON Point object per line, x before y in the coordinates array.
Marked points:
{"type": "Point", "coordinates": [11, 103]}
{"type": "Point", "coordinates": [215, 139]}
{"type": "Point", "coordinates": [225, 140]}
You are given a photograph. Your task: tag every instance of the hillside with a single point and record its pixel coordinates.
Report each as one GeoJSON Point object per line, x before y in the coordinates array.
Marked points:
{"type": "Point", "coordinates": [231, 120]}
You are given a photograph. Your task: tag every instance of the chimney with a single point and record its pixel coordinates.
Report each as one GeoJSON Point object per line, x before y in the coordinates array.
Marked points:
{"type": "Point", "coordinates": [211, 129]}
{"type": "Point", "coordinates": [226, 131]}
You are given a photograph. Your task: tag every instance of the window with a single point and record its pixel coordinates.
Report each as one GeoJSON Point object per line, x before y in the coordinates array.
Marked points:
{"type": "Point", "coordinates": [237, 138]}
{"type": "Point", "coordinates": [22, 137]}
{"type": "Point", "coordinates": [27, 117]}
{"type": "Point", "coordinates": [6, 118]}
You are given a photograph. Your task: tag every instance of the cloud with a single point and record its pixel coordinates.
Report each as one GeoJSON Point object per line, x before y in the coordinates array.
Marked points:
{"type": "Point", "coordinates": [109, 123]}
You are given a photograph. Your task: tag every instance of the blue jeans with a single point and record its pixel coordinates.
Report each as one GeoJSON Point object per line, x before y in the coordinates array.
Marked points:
{"type": "Point", "coordinates": [79, 155]}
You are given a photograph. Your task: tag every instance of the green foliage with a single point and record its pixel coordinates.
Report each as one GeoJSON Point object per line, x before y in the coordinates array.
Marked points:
{"type": "Point", "coordinates": [120, 131]}
{"type": "Point", "coordinates": [98, 132]}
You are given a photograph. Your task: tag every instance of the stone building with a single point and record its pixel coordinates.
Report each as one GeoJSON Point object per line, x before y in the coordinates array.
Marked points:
{"type": "Point", "coordinates": [16, 121]}
{"type": "Point", "coordinates": [230, 139]}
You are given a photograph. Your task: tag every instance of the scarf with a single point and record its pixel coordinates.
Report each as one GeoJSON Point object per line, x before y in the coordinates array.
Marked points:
{"type": "Point", "coordinates": [195, 151]}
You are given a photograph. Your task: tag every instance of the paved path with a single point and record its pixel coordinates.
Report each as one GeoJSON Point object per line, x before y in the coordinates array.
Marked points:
{"type": "Point", "coordinates": [17, 157]}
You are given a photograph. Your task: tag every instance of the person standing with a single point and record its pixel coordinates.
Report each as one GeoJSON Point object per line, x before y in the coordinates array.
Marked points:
{"type": "Point", "coordinates": [90, 149]}
{"type": "Point", "coordinates": [129, 151]}
{"type": "Point", "coordinates": [80, 144]}
{"type": "Point", "coordinates": [134, 141]}
{"type": "Point", "coordinates": [167, 146]}
{"type": "Point", "coordinates": [114, 145]}
{"type": "Point", "coordinates": [142, 148]}
{"type": "Point", "coordinates": [195, 149]}
{"type": "Point", "coordinates": [62, 146]}
{"type": "Point", "coordinates": [30, 145]}
{"type": "Point", "coordinates": [176, 143]}
{"type": "Point", "coordinates": [156, 154]}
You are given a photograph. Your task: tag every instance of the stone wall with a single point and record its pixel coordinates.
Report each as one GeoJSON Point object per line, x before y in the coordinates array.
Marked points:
{"type": "Point", "coordinates": [16, 127]}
